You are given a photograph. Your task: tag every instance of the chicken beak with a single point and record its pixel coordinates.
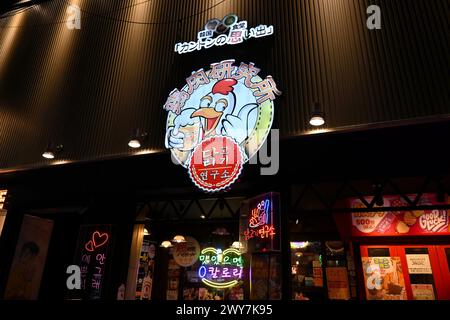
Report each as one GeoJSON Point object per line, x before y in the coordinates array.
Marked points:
{"type": "Point", "coordinates": [208, 113]}
{"type": "Point", "coordinates": [211, 116]}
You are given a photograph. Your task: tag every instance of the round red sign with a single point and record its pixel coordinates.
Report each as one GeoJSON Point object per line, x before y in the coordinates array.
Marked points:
{"type": "Point", "coordinates": [216, 163]}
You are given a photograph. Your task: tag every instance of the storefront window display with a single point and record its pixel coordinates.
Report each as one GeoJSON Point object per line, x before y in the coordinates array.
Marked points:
{"type": "Point", "coordinates": [265, 276]}
{"type": "Point", "coordinates": [206, 267]}
{"type": "Point", "coordinates": [146, 269]}
{"type": "Point", "coordinates": [320, 270]}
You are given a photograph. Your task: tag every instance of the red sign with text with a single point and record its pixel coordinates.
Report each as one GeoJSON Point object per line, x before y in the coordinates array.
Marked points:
{"type": "Point", "coordinates": [216, 163]}
{"type": "Point", "coordinates": [260, 225]}
{"type": "Point", "coordinates": [400, 223]}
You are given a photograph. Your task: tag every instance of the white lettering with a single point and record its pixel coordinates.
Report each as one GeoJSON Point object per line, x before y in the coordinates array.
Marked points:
{"type": "Point", "coordinates": [374, 21]}
{"type": "Point", "coordinates": [74, 280]}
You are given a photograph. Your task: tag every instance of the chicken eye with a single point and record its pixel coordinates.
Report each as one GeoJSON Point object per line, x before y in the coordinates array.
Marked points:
{"type": "Point", "coordinates": [221, 105]}
{"type": "Point", "coordinates": [205, 102]}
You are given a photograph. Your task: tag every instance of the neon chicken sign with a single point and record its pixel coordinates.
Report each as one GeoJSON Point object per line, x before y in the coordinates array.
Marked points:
{"type": "Point", "coordinates": [259, 225]}
{"type": "Point", "coordinates": [219, 120]}
{"type": "Point", "coordinates": [221, 269]}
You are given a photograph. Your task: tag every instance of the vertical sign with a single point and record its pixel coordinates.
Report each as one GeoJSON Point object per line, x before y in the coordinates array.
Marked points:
{"type": "Point", "coordinates": [146, 268]}
{"type": "Point", "coordinates": [29, 259]}
{"type": "Point", "coordinates": [173, 280]}
{"type": "Point", "coordinates": [2, 198]}
{"type": "Point", "coordinates": [260, 224]}
{"type": "Point", "coordinates": [337, 283]}
{"type": "Point", "coordinates": [93, 257]}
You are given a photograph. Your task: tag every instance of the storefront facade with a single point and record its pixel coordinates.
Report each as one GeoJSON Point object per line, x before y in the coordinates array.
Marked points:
{"type": "Point", "coordinates": [356, 208]}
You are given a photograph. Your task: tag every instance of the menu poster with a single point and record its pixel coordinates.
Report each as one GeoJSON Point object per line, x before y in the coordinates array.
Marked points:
{"type": "Point", "coordinates": [318, 277]}
{"type": "Point", "coordinates": [383, 278]}
{"type": "Point", "coordinates": [145, 271]}
{"type": "Point", "coordinates": [94, 253]}
{"type": "Point", "coordinates": [29, 259]}
{"type": "Point", "coordinates": [418, 264]}
{"type": "Point", "coordinates": [173, 280]}
{"type": "Point", "coordinates": [190, 294]}
{"type": "Point", "coordinates": [337, 282]}
{"type": "Point", "coordinates": [186, 253]}
{"type": "Point", "coordinates": [399, 222]}
{"type": "Point", "coordinates": [265, 278]}
{"type": "Point", "coordinates": [422, 291]}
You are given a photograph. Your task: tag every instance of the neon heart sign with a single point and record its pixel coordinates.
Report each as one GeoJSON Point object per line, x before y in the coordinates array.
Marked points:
{"type": "Point", "coordinates": [97, 240]}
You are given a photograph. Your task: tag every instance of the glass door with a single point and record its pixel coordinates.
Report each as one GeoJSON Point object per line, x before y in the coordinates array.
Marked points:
{"type": "Point", "coordinates": [422, 271]}
{"type": "Point", "coordinates": [383, 273]}
{"type": "Point", "coordinates": [406, 272]}
{"type": "Point", "coordinates": [443, 253]}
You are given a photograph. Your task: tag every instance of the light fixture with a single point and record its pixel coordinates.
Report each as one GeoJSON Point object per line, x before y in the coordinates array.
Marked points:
{"type": "Point", "coordinates": [317, 117]}
{"type": "Point", "coordinates": [237, 245]}
{"type": "Point", "coordinates": [221, 231]}
{"type": "Point", "coordinates": [178, 239]}
{"type": "Point", "coordinates": [48, 154]}
{"type": "Point", "coordinates": [51, 150]}
{"type": "Point", "coordinates": [146, 233]}
{"type": "Point", "coordinates": [166, 244]}
{"type": "Point", "coordinates": [299, 245]}
{"type": "Point", "coordinates": [378, 188]}
{"type": "Point", "coordinates": [203, 216]}
{"type": "Point", "coordinates": [137, 139]}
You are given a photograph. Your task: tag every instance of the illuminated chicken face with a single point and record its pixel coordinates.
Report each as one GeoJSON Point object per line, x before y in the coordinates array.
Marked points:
{"type": "Point", "coordinates": [216, 105]}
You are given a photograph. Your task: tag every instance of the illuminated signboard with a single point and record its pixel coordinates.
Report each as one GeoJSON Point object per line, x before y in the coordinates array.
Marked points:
{"type": "Point", "coordinates": [2, 198]}
{"type": "Point", "coordinates": [221, 269]}
{"type": "Point", "coordinates": [400, 222]}
{"type": "Point", "coordinates": [93, 257]}
{"type": "Point", "coordinates": [221, 32]}
{"type": "Point", "coordinates": [218, 121]}
{"type": "Point", "coordinates": [260, 223]}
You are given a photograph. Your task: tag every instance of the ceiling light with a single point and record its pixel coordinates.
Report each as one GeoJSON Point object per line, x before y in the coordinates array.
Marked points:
{"type": "Point", "coordinates": [316, 121]}
{"type": "Point", "coordinates": [178, 239]}
{"type": "Point", "coordinates": [166, 244]}
{"type": "Point", "coordinates": [137, 139]}
{"type": "Point", "coordinates": [317, 118]}
{"type": "Point", "coordinates": [299, 245]}
{"type": "Point", "coordinates": [146, 233]}
{"type": "Point", "coordinates": [203, 216]}
{"type": "Point", "coordinates": [237, 245]}
{"type": "Point", "coordinates": [134, 143]}
{"type": "Point", "coordinates": [51, 150]}
{"type": "Point", "coordinates": [48, 154]}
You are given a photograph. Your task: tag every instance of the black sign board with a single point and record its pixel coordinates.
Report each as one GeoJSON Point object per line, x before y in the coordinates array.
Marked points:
{"type": "Point", "coordinates": [93, 256]}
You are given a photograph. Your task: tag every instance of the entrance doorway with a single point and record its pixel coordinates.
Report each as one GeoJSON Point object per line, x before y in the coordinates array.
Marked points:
{"type": "Point", "coordinates": [406, 272]}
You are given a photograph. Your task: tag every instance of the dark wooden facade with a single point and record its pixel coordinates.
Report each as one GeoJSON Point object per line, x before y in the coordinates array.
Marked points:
{"type": "Point", "coordinates": [88, 89]}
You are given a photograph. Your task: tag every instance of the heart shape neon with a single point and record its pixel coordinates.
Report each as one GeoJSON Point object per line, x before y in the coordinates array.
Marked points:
{"type": "Point", "coordinates": [89, 246]}
{"type": "Point", "coordinates": [99, 239]}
